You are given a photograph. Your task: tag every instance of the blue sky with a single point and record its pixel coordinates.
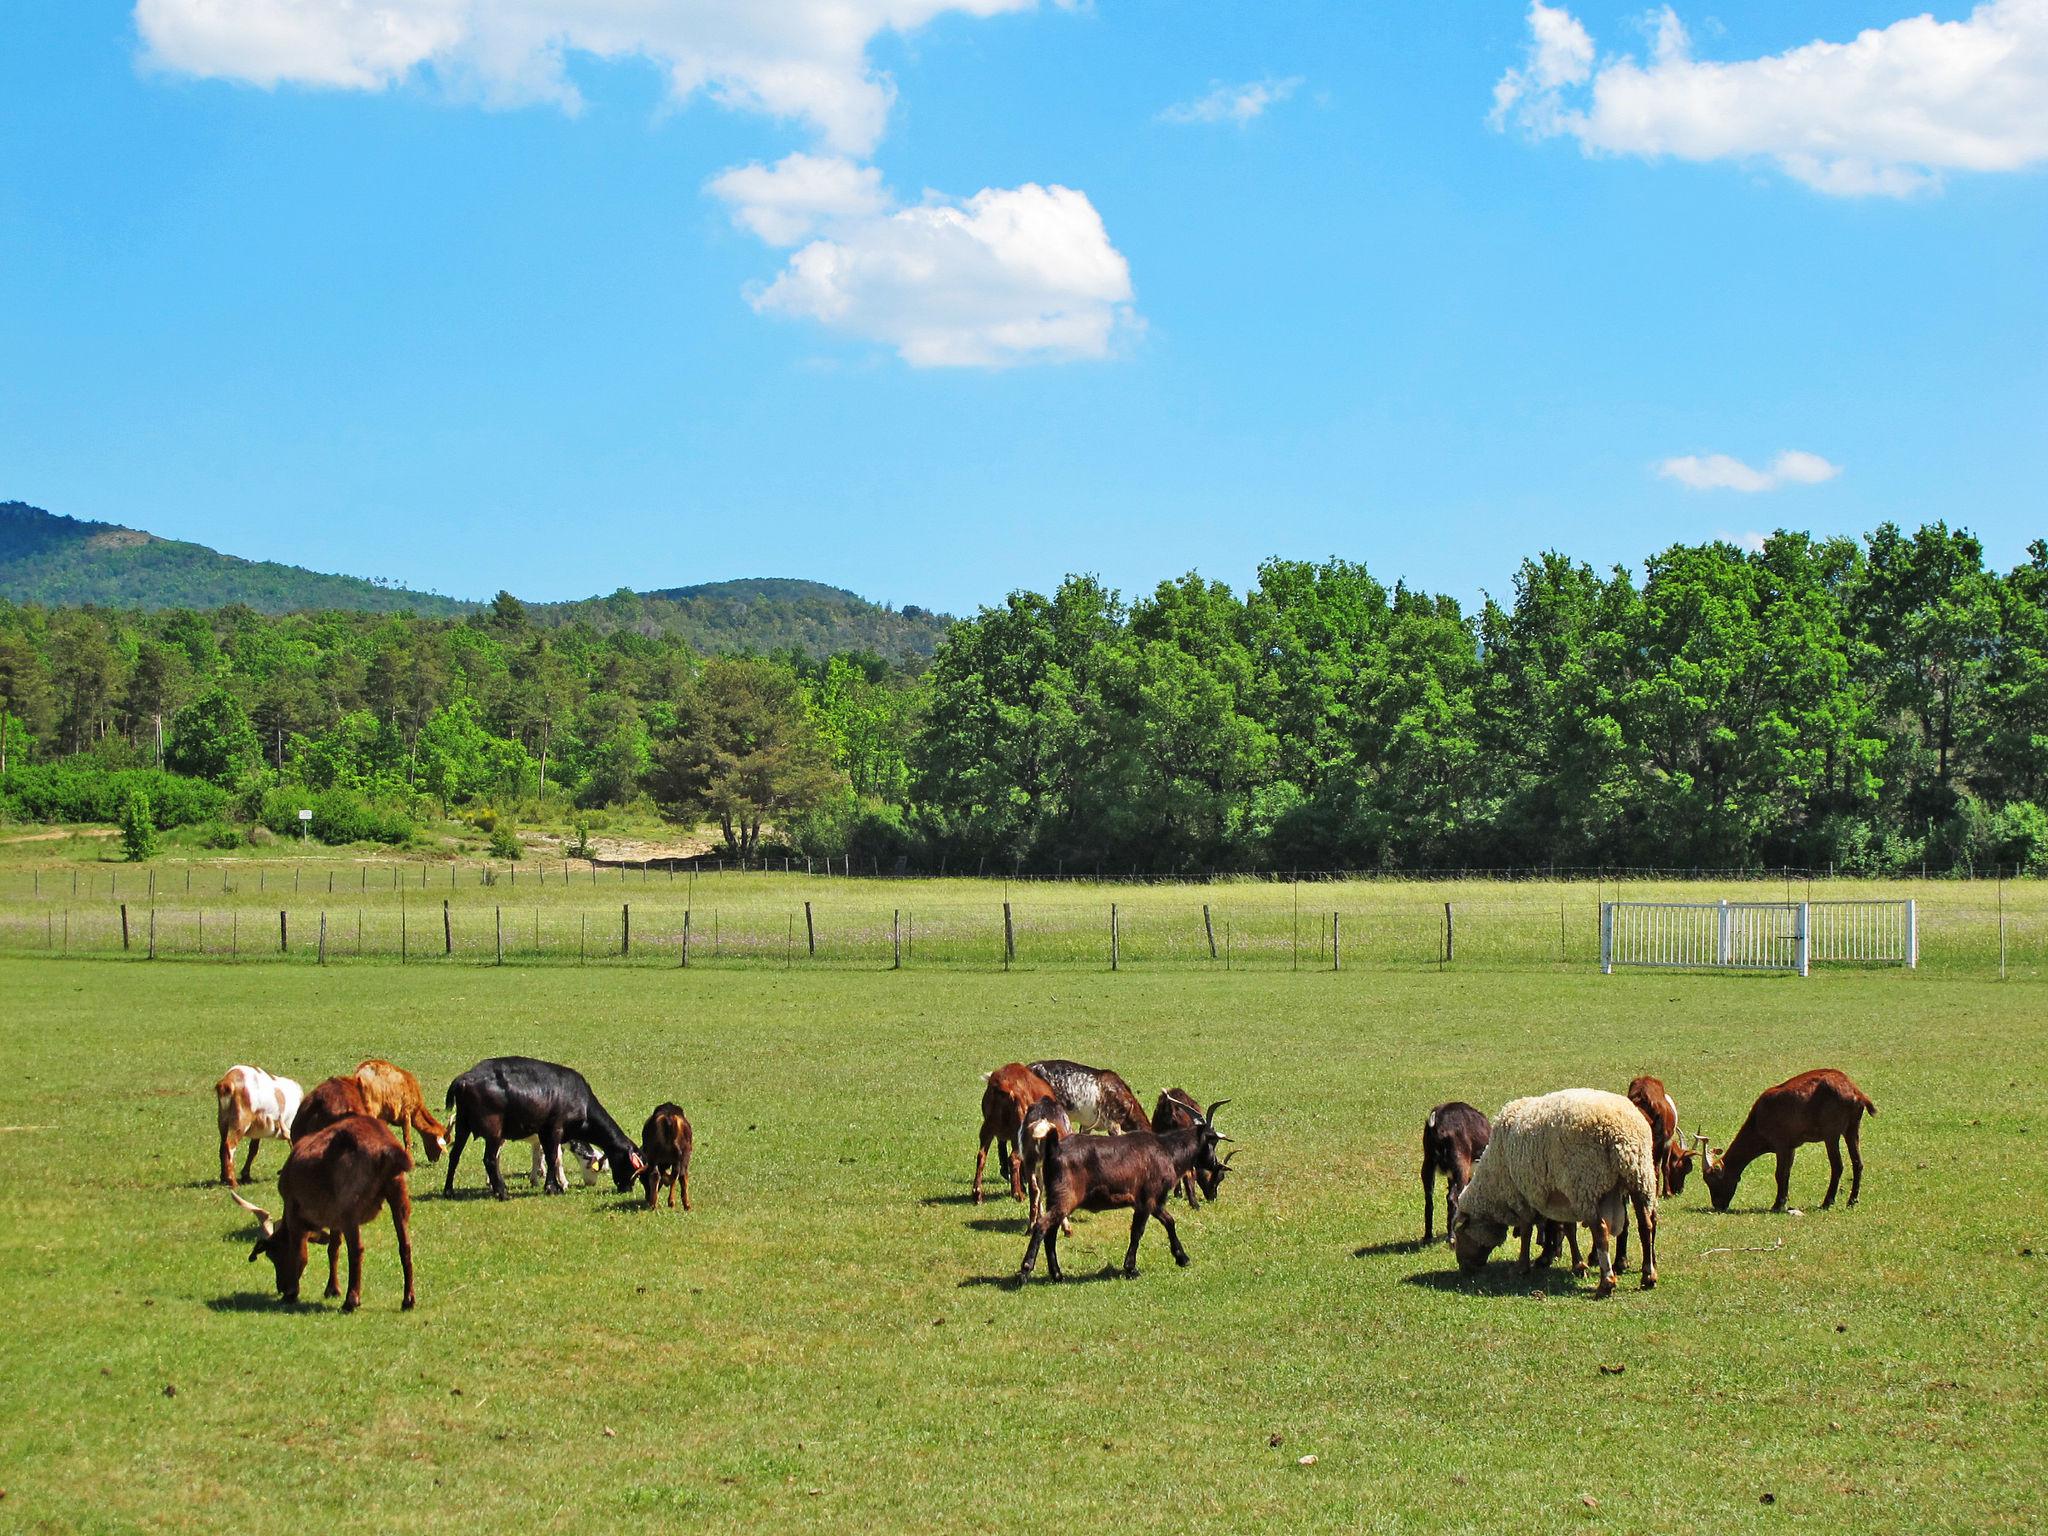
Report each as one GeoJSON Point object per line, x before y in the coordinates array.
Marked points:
{"type": "Point", "coordinates": [1130, 287]}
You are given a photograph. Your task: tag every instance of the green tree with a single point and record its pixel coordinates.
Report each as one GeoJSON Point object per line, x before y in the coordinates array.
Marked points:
{"type": "Point", "coordinates": [138, 829]}
{"type": "Point", "coordinates": [743, 751]}
{"type": "Point", "coordinates": [211, 738]}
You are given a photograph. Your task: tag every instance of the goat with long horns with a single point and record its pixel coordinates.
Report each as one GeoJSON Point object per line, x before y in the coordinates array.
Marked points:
{"type": "Point", "coordinates": [335, 1181]}
{"type": "Point", "coordinates": [1103, 1173]}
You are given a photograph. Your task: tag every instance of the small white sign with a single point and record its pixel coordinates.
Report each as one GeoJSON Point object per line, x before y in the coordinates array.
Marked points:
{"type": "Point", "coordinates": [305, 815]}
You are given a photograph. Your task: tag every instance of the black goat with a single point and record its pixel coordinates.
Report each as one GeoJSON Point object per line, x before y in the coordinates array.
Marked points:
{"type": "Point", "coordinates": [1176, 1110]}
{"type": "Point", "coordinates": [1104, 1173]}
{"type": "Point", "coordinates": [1452, 1138]}
{"type": "Point", "coordinates": [508, 1098]}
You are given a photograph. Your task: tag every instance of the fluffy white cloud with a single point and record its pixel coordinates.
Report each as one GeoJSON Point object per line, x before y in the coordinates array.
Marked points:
{"type": "Point", "coordinates": [1011, 275]}
{"type": "Point", "coordinates": [1720, 472]}
{"type": "Point", "coordinates": [801, 59]}
{"type": "Point", "coordinates": [1233, 103]}
{"type": "Point", "coordinates": [788, 202]}
{"type": "Point", "coordinates": [1886, 113]}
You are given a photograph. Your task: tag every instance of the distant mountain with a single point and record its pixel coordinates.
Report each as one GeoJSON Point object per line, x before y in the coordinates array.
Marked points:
{"type": "Point", "coordinates": [63, 562]}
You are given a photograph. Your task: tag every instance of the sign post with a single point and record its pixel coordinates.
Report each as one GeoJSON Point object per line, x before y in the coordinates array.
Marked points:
{"type": "Point", "coordinates": [305, 825]}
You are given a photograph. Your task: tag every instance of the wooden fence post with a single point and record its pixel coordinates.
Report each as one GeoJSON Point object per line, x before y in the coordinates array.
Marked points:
{"type": "Point", "coordinates": [1336, 944]}
{"type": "Point", "coordinates": [447, 929]}
{"type": "Point", "coordinates": [284, 933]}
{"type": "Point", "coordinates": [323, 937]}
{"type": "Point", "coordinates": [1209, 929]}
{"type": "Point", "coordinates": [500, 911]}
{"type": "Point", "coordinates": [625, 924]}
{"type": "Point", "coordinates": [124, 925]}
{"type": "Point", "coordinates": [1009, 938]}
{"type": "Point", "coordinates": [1450, 935]}
{"type": "Point", "coordinates": [152, 933]}
{"type": "Point", "coordinates": [896, 938]}
{"type": "Point", "coordinates": [810, 933]}
{"type": "Point", "coordinates": [1113, 946]}
{"type": "Point", "coordinates": [686, 936]}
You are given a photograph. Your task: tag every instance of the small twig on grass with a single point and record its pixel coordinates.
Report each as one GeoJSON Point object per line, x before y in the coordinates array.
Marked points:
{"type": "Point", "coordinates": [1760, 1248]}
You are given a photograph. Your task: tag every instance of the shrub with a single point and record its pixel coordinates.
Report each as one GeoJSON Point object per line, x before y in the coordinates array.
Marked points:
{"type": "Point", "coordinates": [88, 792]}
{"type": "Point", "coordinates": [218, 834]}
{"type": "Point", "coordinates": [505, 843]}
{"type": "Point", "coordinates": [138, 831]}
{"type": "Point", "coordinates": [339, 816]}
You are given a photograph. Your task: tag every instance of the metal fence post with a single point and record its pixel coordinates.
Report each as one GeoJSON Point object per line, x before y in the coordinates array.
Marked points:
{"type": "Point", "coordinates": [1606, 938]}
{"type": "Point", "coordinates": [1800, 943]}
{"type": "Point", "coordinates": [1113, 956]}
{"type": "Point", "coordinates": [1912, 933]}
{"type": "Point", "coordinates": [1723, 935]}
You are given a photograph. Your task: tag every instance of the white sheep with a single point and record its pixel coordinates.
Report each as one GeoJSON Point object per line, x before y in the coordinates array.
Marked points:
{"type": "Point", "coordinates": [1578, 1155]}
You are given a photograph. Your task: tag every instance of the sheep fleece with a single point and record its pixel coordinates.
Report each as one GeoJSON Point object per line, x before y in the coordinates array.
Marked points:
{"type": "Point", "coordinates": [1556, 1155]}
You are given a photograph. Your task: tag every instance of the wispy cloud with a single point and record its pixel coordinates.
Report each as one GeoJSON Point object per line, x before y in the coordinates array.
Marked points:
{"type": "Point", "coordinates": [1885, 114]}
{"type": "Point", "coordinates": [1238, 104]}
{"type": "Point", "coordinates": [1722, 472]}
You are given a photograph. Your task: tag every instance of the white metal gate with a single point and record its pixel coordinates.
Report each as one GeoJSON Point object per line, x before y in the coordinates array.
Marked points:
{"type": "Point", "coordinates": [1757, 935]}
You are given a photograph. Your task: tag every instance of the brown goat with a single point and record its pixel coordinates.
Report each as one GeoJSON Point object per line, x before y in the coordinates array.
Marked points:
{"type": "Point", "coordinates": [1666, 1145]}
{"type": "Point", "coordinates": [394, 1097]}
{"type": "Point", "coordinates": [666, 1141]}
{"type": "Point", "coordinates": [1821, 1105]}
{"type": "Point", "coordinates": [335, 1181]}
{"type": "Point", "coordinates": [1176, 1110]}
{"type": "Point", "coordinates": [1103, 1173]}
{"type": "Point", "coordinates": [1009, 1093]}
{"type": "Point", "coordinates": [332, 1099]}
{"type": "Point", "coordinates": [1453, 1137]}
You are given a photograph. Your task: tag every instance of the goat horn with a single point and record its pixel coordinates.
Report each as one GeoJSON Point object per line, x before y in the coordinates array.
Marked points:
{"type": "Point", "coordinates": [1227, 1157]}
{"type": "Point", "coordinates": [262, 1216]}
{"type": "Point", "coordinates": [1210, 1113]}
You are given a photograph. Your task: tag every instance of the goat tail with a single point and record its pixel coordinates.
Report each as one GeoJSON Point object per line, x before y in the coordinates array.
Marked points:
{"type": "Point", "coordinates": [448, 1098]}
{"type": "Point", "coordinates": [1868, 1107]}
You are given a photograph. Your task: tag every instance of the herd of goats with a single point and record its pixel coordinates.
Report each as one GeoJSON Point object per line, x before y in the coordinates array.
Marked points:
{"type": "Point", "coordinates": [1542, 1168]}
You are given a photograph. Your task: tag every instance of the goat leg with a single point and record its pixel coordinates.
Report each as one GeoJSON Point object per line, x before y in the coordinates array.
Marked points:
{"type": "Point", "coordinates": [1646, 1228]}
{"type": "Point", "coordinates": [250, 1161]}
{"type": "Point", "coordinates": [227, 1158]}
{"type": "Point", "coordinates": [1139, 1216]}
{"type": "Point", "coordinates": [1180, 1254]}
{"type": "Point", "coordinates": [455, 1156]}
{"type": "Point", "coordinates": [354, 1298]}
{"type": "Point", "coordinates": [401, 1218]}
{"type": "Point", "coordinates": [333, 1265]}
{"type": "Point", "coordinates": [1834, 1170]}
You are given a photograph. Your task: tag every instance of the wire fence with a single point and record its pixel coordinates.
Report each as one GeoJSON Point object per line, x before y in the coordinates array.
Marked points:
{"type": "Point", "coordinates": [857, 926]}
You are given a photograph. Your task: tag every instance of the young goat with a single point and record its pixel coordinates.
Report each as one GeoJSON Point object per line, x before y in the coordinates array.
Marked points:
{"type": "Point", "coordinates": [1666, 1145]}
{"type": "Point", "coordinates": [1176, 1110]}
{"type": "Point", "coordinates": [1103, 1173]}
{"type": "Point", "coordinates": [252, 1106]}
{"type": "Point", "coordinates": [665, 1141]}
{"type": "Point", "coordinates": [1822, 1105]}
{"type": "Point", "coordinates": [394, 1097]}
{"type": "Point", "coordinates": [336, 1180]}
{"type": "Point", "coordinates": [1453, 1137]}
{"type": "Point", "coordinates": [1031, 1145]}
{"type": "Point", "coordinates": [1009, 1093]}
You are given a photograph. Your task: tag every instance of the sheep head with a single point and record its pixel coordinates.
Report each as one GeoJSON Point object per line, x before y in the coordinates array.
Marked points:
{"type": "Point", "coordinates": [1474, 1240]}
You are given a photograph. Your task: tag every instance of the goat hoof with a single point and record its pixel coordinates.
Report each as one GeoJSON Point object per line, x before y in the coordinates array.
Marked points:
{"type": "Point", "coordinates": [1183, 1260]}
{"type": "Point", "coordinates": [1130, 1274]}
{"type": "Point", "coordinates": [408, 1304]}
{"type": "Point", "coordinates": [350, 1305]}
{"type": "Point", "coordinates": [1605, 1287]}
{"type": "Point", "coordinates": [1649, 1279]}
{"type": "Point", "coordinates": [1578, 1271]}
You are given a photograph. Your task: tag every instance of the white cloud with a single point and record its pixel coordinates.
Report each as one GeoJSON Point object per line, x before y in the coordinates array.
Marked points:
{"type": "Point", "coordinates": [1886, 113]}
{"type": "Point", "coordinates": [1010, 275]}
{"type": "Point", "coordinates": [1720, 472]}
{"type": "Point", "coordinates": [790, 201]}
{"type": "Point", "coordinates": [1233, 103]}
{"type": "Point", "coordinates": [800, 59]}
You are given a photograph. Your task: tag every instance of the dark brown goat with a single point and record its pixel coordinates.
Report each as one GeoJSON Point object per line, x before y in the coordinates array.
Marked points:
{"type": "Point", "coordinates": [335, 1181]}
{"type": "Point", "coordinates": [1103, 1173]}
{"type": "Point", "coordinates": [1821, 1105]}
{"type": "Point", "coordinates": [1007, 1096]}
{"type": "Point", "coordinates": [394, 1097]}
{"type": "Point", "coordinates": [666, 1142]}
{"type": "Point", "coordinates": [1666, 1145]}
{"type": "Point", "coordinates": [1176, 1110]}
{"type": "Point", "coordinates": [334, 1098]}
{"type": "Point", "coordinates": [1452, 1138]}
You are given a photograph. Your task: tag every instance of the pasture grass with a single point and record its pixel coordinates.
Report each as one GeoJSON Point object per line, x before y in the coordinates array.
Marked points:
{"type": "Point", "coordinates": [831, 1339]}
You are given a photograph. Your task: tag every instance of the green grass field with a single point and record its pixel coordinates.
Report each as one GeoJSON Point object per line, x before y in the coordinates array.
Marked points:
{"type": "Point", "coordinates": [831, 1338]}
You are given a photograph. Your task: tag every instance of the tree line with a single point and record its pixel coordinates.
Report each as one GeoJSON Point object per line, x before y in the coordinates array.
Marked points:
{"type": "Point", "coordinates": [1869, 704]}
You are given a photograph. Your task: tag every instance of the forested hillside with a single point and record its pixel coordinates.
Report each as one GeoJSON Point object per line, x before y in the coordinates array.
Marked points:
{"type": "Point", "coordinates": [1870, 705]}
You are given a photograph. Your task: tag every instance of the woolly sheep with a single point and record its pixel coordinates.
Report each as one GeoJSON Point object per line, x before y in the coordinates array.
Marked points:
{"type": "Point", "coordinates": [1578, 1155]}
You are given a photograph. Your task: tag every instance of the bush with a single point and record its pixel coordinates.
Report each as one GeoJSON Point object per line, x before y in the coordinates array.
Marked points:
{"type": "Point", "coordinates": [505, 843]}
{"type": "Point", "coordinates": [2018, 835]}
{"type": "Point", "coordinates": [72, 792]}
{"type": "Point", "coordinates": [138, 832]}
{"type": "Point", "coordinates": [218, 834]}
{"type": "Point", "coordinates": [339, 816]}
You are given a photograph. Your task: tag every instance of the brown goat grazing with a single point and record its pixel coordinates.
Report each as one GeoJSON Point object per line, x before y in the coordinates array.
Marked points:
{"type": "Point", "coordinates": [1821, 1105]}
{"type": "Point", "coordinates": [1176, 1110]}
{"type": "Point", "coordinates": [665, 1141]}
{"type": "Point", "coordinates": [332, 1099]}
{"type": "Point", "coordinates": [1453, 1137]}
{"type": "Point", "coordinates": [1102, 1173]}
{"type": "Point", "coordinates": [1031, 1145]}
{"type": "Point", "coordinates": [1096, 1097]}
{"type": "Point", "coordinates": [394, 1097]}
{"type": "Point", "coordinates": [1666, 1145]}
{"type": "Point", "coordinates": [335, 1181]}
{"type": "Point", "coordinates": [1007, 1096]}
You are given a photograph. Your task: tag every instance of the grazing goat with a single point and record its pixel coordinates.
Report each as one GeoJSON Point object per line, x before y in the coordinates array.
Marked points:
{"type": "Point", "coordinates": [1822, 1105]}
{"type": "Point", "coordinates": [334, 1181]}
{"type": "Point", "coordinates": [332, 1099]}
{"type": "Point", "coordinates": [1099, 1173]}
{"type": "Point", "coordinates": [1453, 1137]}
{"type": "Point", "coordinates": [252, 1105]}
{"type": "Point", "coordinates": [508, 1098]}
{"type": "Point", "coordinates": [1031, 1146]}
{"type": "Point", "coordinates": [1579, 1155]}
{"type": "Point", "coordinates": [1176, 1110]}
{"type": "Point", "coordinates": [665, 1141]}
{"type": "Point", "coordinates": [1008, 1093]}
{"type": "Point", "coordinates": [1666, 1145]}
{"type": "Point", "coordinates": [394, 1097]}
{"type": "Point", "coordinates": [1097, 1098]}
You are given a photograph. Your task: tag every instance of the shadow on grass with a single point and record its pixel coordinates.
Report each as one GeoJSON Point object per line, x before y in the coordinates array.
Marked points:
{"type": "Point", "coordinates": [1405, 1245]}
{"type": "Point", "coordinates": [258, 1301]}
{"type": "Point", "coordinates": [1015, 1226]}
{"type": "Point", "coordinates": [966, 1199]}
{"type": "Point", "coordinates": [1016, 1282]}
{"type": "Point", "coordinates": [1502, 1280]}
